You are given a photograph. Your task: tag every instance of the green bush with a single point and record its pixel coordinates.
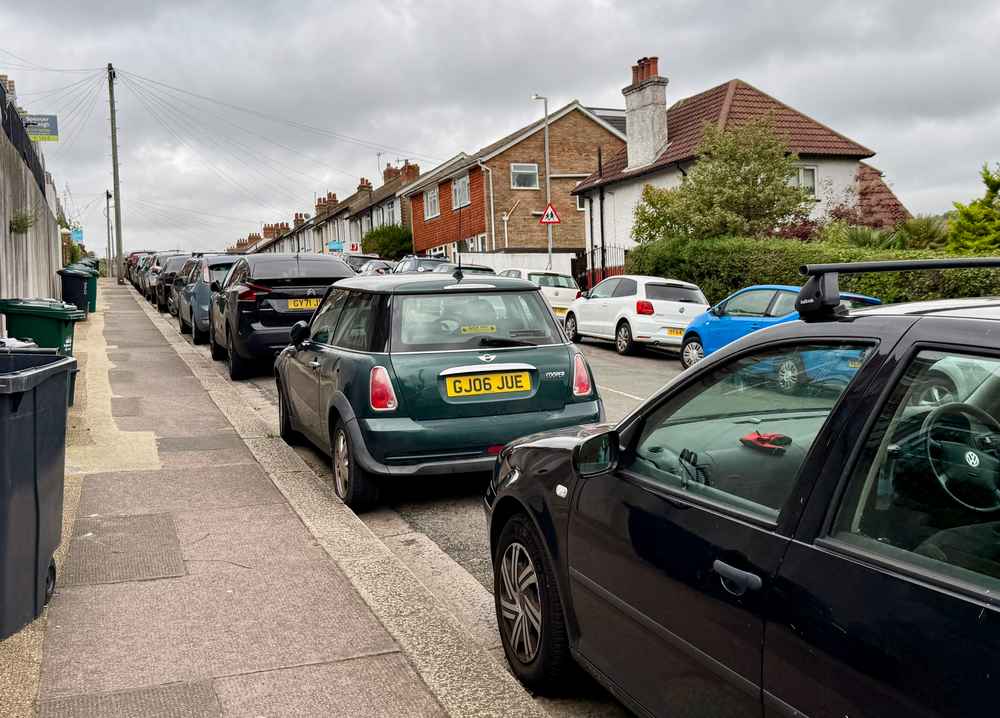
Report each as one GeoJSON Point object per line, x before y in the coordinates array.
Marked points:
{"type": "Point", "coordinates": [721, 266]}
{"type": "Point", "coordinates": [388, 242]}
{"type": "Point", "coordinates": [921, 232]}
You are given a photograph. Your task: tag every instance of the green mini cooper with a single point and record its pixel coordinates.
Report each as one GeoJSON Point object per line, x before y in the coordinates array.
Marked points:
{"type": "Point", "coordinates": [408, 375]}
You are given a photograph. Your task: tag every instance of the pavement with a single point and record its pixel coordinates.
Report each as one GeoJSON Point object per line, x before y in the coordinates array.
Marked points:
{"type": "Point", "coordinates": [208, 569]}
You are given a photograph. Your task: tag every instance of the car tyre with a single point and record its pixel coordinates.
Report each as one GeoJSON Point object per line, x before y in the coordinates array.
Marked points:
{"type": "Point", "coordinates": [50, 583]}
{"type": "Point", "coordinates": [197, 335]}
{"type": "Point", "coordinates": [289, 435]}
{"type": "Point", "coordinates": [238, 366]}
{"type": "Point", "coordinates": [624, 344]}
{"type": "Point", "coordinates": [355, 486]}
{"type": "Point", "coordinates": [218, 353]}
{"type": "Point", "coordinates": [528, 610]}
{"type": "Point", "coordinates": [571, 330]}
{"type": "Point", "coordinates": [692, 351]}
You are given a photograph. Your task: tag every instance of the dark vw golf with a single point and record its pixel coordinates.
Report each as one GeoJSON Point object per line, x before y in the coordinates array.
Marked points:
{"type": "Point", "coordinates": [730, 549]}
{"type": "Point", "coordinates": [409, 376]}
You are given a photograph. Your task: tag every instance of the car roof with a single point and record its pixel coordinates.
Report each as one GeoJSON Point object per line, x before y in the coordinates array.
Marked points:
{"type": "Point", "coordinates": [536, 271]}
{"type": "Point", "coordinates": [966, 308]}
{"type": "Point", "coordinates": [431, 284]}
{"type": "Point", "coordinates": [795, 290]}
{"type": "Point", "coordinates": [645, 279]}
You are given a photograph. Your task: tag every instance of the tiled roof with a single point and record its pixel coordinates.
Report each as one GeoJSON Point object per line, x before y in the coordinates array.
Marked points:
{"type": "Point", "coordinates": [879, 205]}
{"type": "Point", "coordinates": [730, 105]}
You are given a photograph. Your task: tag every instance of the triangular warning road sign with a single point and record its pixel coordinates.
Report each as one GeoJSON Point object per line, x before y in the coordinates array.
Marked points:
{"type": "Point", "coordinates": [550, 216]}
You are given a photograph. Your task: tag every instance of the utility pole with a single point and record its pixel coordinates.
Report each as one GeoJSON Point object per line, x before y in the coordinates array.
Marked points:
{"type": "Point", "coordinates": [114, 167]}
{"type": "Point", "coordinates": [112, 265]}
{"type": "Point", "coordinates": [548, 183]}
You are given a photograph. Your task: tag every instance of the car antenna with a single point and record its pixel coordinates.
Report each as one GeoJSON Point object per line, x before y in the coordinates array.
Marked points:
{"type": "Point", "coordinates": [458, 270]}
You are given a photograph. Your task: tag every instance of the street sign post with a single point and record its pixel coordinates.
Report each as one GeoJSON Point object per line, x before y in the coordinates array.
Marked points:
{"type": "Point", "coordinates": [550, 216]}
{"type": "Point", "coordinates": [42, 128]}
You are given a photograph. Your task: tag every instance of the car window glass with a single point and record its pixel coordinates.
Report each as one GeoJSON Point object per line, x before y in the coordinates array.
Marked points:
{"type": "Point", "coordinates": [784, 304]}
{"type": "Point", "coordinates": [323, 324]}
{"type": "Point", "coordinates": [926, 489]}
{"type": "Point", "coordinates": [553, 280]}
{"type": "Point", "coordinates": [605, 289]}
{"type": "Point", "coordinates": [739, 434]}
{"type": "Point", "coordinates": [675, 293]}
{"type": "Point", "coordinates": [354, 327]}
{"type": "Point", "coordinates": [749, 304]}
{"type": "Point", "coordinates": [626, 288]}
{"type": "Point", "coordinates": [218, 272]}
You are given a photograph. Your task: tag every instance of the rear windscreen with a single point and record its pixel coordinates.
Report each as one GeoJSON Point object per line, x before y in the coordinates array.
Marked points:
{"type": "Point", "coordinates": [430, 322]}
{"type": "Point", "coordinates": [292, 268]}
{"type": "Point", "coordinates": [553, 280]}
{"type": "Point", "coordinates": [673, 293]}
{"type": "Point", "coordinates": [174, 264]}
{"type": "Point", "coordinates": [218, 272]}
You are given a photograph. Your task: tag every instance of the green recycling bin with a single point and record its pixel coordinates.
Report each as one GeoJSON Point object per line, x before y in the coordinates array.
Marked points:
{"type": "Point", "coordinates": [47, 322]}
{"type": "Point", "coordinates": [92, 275]}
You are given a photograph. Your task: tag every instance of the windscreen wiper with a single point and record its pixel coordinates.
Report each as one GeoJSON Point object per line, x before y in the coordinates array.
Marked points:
{"type": "Point", "coordinates": [503, 342]}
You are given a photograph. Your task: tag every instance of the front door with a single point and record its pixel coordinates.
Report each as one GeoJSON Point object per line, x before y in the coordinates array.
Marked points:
{"type": "Point", "coordinates": [595, 307]}
{"type": "Point", "coordinates": [893, 610]}
{"type": "Point", "coordinates": [671, 557]}
{"type": "Point", "coordinates": [738, 316]}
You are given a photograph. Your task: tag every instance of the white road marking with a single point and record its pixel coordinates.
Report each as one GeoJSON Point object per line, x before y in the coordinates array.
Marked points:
{"type": "Point", "coordinates": [615, 391]}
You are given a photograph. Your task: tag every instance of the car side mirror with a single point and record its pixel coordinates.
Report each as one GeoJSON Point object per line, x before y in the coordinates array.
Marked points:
{"type": "Point", "coordinates": [715, 311]}
{"type": "Point", "coordinates": [299, 332]}
{"type": "Point", "coordinates": [215, 286]}
{"type": "Point", "coordinates": [597, 454]}
{"type": "Point", "coordinates": [584, 295]}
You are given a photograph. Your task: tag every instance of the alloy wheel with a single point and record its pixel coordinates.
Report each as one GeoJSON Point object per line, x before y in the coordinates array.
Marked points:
{"type": "Point", "coordinates": [624, 338]}
{"type": "Point", "coordinates": [520, 602]}
{"type": "Point", "coordinates": [571, 328]}
{"type": "Point", "coordinates": [788, 375]}
{"type": "Point", "coordinates": [341, 465]}
{"type": "Point", "coordinates": [692, 353]}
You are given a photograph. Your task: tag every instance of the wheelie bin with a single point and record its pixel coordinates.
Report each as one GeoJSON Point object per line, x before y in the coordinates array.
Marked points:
{"type": "Point", "coordinates": [33, 389]}
{"type": "Point", "coordinates": [74, 287]}
{"type": "Point", "coordinates": [92, 275]}
{"type": "Point", "coordinates": [47, 322]}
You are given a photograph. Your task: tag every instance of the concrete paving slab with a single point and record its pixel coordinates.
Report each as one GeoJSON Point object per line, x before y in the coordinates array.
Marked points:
{"type": "Point", "coordinates": [149, 492]}
{"type": "Point", "coordinates": [274, 455]}
{"type": "Point", "coordinates": [382, 686]}
{"type": "Point", "coordinates": [177, 700]}
{"type": "Point", "coordinates": [201, 458]}
{"type": "Point", "coordinates": [130, 635]}
{"type": "Point", "coordinates": [246, 537]}
{"type": "Point", "coordinates": [226, 439]}
{"type": "Point", "coordinates": [109, 549]}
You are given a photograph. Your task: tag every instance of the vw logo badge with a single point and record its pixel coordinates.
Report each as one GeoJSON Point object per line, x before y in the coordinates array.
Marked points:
{"type": "Point", "coordinates": [972, 459]}
{"type": "Point", "coordinates": [487, 357]}
{"type": "Point", "coordinates": [310, 292]}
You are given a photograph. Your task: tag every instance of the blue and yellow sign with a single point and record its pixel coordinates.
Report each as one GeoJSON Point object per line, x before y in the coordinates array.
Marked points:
{"type": "Point", "coordinates": [42, 128]}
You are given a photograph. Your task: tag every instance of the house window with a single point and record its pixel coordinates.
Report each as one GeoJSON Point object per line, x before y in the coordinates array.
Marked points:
{"type": "Point", "coordinates": [438, 251]}
{"type": "Point", "coordinates": [431, 207]}
{"type": "Point", "coordinates": [391, 207]}
{"type": "Point", "coordinates": [523, 176]}
{"type": "Point", "coordinates": [581, 202]}
{"type": "Point", "coordinates": [460, 191]}
{"type": "Point", "coordinates": [806, 179]}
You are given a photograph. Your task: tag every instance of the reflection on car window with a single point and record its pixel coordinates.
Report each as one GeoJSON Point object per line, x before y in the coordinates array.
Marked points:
{"type": "Point", "coordinates": [749, 304]}
{"type": "Point", "coordinates": [552, 280]}
{"type": "Point", "coordinates": [740, 434]}
{"type": "Point", "coordinates": [428, 322]}
{"type": "Point", "coordinates": [605, 289]}
{"type": "Point", "coordinates": [784, 304]}
{"type": "Point", "coordinates": [675, 293]}
{"type": "Point", "coordinates": [321, 330]}
{"type": "Point", "coordinates": [927, 486]}
{"type": "Point", "coordinates": [354, 327]}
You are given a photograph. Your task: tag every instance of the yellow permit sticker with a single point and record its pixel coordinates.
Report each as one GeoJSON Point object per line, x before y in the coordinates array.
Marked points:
{"type": "Point", "coordinates": [479, 329]}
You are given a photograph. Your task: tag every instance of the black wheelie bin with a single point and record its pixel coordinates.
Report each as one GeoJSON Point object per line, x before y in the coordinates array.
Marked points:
{"type": "Point", "coordinates": [74, 286]}
{"type": "Point", "coordinates": [33, 390]}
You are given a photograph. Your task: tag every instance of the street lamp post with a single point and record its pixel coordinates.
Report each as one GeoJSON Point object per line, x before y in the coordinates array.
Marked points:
{"type": "Point", "coordinates": [548, 183]}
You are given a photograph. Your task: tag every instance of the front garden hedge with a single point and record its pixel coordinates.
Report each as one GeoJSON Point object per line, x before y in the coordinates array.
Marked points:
{"type": "Point", "coordinates": [722, 265]}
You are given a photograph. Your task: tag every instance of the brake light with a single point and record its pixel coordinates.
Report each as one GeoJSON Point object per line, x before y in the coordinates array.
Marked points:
{"type": "Point", "coordinates": [252, 292]}
{"type": "Point", "coordinates": [381, 395]}
{"type": "Point", "coordinates": [494, 450]}
{"type": "Point", "coordinates": [644, 306]}
{"type": "Point", "coordinates": [581, 377]}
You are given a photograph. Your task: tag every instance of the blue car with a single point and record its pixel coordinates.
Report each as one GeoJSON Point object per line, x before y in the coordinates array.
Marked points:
{"type": "Point", "coordinates": [192, 289]}
{"type": "Point", "coordinates": [746, 311]}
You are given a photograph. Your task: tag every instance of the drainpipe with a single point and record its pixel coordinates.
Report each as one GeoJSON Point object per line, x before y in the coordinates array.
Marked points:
{"type": "Point", "coordinates": [493, 225]}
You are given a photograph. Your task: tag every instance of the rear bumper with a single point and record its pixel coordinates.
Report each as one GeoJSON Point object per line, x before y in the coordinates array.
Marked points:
{"type": "Point", "coordinates": [263, 341]}
{"type": "Point", "coordinates": [657, 333]}
{"type": "Point", "coordinates": [389, 437]}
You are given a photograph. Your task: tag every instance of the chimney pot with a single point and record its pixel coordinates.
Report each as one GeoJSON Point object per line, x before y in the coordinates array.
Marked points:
{"type": "Point", "coordinates": [654, 66]}
{"type": "Point", "coordinates": [635, 74]}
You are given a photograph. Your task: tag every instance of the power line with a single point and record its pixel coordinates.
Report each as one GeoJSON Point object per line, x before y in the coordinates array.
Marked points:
{"type": "Point", "coordinates": [195, 211]}
{"type": "Point", "coordinates": [36, 67]}
{"type": "Point", "coordinates": [291, 123]}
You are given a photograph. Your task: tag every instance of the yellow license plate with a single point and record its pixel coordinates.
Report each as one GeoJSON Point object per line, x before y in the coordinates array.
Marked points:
{"type": "Point", "coordinates": [303, 303]}
{"type": "Point", "coordinates": [560, 311]}
{"type": "Point", "coordinates": [854, 363]}
{"type": "Point", "coordinates": [674, 332]}
{"type": "Point", "coordinates": [480, 384]}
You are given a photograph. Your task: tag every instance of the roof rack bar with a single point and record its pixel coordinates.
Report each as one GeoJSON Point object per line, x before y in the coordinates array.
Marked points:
{"type": "Point", "coordinates": [910, 265]}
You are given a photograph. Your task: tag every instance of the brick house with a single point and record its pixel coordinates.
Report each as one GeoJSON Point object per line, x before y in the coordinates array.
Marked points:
{"type": "Point", "coordinates": [491, 201]}
{"type": "Point", "coordinates": [662, 146]}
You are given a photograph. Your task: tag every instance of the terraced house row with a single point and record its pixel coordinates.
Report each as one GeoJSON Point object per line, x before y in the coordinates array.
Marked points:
{"type": "Point", "coordinates": [491, 200]}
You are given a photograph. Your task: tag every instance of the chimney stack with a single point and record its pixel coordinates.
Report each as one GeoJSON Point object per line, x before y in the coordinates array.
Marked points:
{"type": "Point", "coordinates": [299, 219]}
{"type": "Point", "coordinates": [409, 172]}
{"type": "Point", "coordinates": [645, 113]}
{"type": "Point", "coordinates": [390, 172]}
{"type": "Point", "coordinates": [364, 184]}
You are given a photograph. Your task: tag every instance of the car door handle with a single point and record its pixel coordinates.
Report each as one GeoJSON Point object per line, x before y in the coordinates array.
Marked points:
{"type": "Point", "coordinates": [734, 580]}
{"type": "Point", "coordinates": [314, 363]}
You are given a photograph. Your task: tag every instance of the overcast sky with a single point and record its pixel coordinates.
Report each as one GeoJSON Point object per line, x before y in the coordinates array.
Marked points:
{"type": "Point", "coordinates": [915, 81]}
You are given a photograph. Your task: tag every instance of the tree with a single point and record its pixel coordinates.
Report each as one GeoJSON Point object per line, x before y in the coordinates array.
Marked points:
{"type": "Point", "coordinates": [388, 242]}
{"type": "Point", "coordinates": [976, 226]}
{"type": "Point", "coordinates": [739, 185]}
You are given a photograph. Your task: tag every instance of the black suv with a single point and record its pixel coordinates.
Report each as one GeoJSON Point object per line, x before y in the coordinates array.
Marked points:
{"type": "Point", "coordinates": [260, 299]}
{"type": "Point", "coordinates": [728, 549]}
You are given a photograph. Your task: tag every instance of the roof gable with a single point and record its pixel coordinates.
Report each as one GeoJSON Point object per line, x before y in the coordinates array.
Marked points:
{"type": "Point", "coordinates": [730, 105]}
